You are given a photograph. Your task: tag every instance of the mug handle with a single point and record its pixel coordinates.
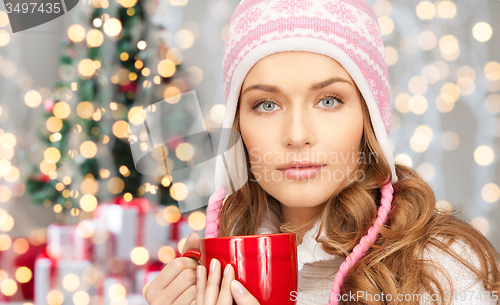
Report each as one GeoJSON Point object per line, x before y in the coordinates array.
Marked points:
{"type": "Point", "coordinates": [194, 254]}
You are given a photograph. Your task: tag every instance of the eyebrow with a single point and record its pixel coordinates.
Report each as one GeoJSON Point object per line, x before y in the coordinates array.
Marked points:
{"type": "Point", "coordinates": [314, 87]}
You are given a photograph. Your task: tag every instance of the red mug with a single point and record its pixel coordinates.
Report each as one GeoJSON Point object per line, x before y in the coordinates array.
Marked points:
{"type": "Point", "coordinates": [266, 264]}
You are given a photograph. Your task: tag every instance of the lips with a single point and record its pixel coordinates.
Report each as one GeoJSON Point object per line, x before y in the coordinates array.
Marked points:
{"type": "Point", "coordinates": [297, 173]}
{"type": "Point", "coordinates": [295, 164]}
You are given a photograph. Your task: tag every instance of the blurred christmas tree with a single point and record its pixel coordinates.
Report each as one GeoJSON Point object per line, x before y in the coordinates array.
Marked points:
{"type": "Point", "coordinates": [115, 63]}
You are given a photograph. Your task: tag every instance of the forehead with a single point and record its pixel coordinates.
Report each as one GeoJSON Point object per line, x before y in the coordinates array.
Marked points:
{"type": "Point", "coordinates": [305, 67]}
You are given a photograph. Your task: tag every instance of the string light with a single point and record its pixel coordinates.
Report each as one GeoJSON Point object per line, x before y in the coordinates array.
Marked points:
{"type": "Point", "coordinates": [482, 31]}
{"type": "Point", "coordinates": [141, 45]}
{"type": "Point", "coordinates": [112, 27]}
{"type": "Point", "coordinates": [97, 22]}
{"type": "Point", "coordinates": [95, 38]}
{"type": "Point", "coordinates": [76, 33]}
{"type": "Point", "coordinates": [4, 38]}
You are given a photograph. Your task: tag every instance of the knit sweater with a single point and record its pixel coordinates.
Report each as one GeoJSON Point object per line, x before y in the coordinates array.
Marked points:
{"type": "Point", "coordinates": [317, 270]}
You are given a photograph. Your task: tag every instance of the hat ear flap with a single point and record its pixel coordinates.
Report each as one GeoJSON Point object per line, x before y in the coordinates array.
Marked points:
{"type": "Point", "coordinates": [213, 211]}
{"type": "Point", "coordinates": [365, 242]}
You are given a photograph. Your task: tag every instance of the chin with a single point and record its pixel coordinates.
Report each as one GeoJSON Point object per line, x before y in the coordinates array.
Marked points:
{"type": "Point", "coordinates": [293, 194]}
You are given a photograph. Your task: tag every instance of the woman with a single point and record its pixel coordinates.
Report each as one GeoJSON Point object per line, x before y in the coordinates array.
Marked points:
{"type": "Point", "coordinates": [307, 81]}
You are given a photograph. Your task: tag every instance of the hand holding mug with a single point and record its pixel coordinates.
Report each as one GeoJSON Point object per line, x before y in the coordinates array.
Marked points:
{"type": "Point", "coordinates": [262, 269]}
{"type": "Point", "coordinates": [212, 292]}
{"type": "Point", "coordinates": [176, 283]}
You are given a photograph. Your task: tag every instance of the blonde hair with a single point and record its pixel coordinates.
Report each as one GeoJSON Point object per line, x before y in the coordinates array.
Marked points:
{"type": "Point", "coordinates": [393, 265]}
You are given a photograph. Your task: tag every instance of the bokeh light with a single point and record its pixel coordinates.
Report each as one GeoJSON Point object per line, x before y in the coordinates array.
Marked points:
{"type": "Point", "coordinates": [184, 39]}
{"type": "Point", "coordinates": [172, 214]}
{"type": "Point", "coordinates": [55, 297]}
{"type": "Point", "coordinates": [120, 129]}
{"type": "Point", "coordinates": [4, 38]}
{"type": "Point", "coordinates": [482, 31]}
{"type": "Point", "coordinates": [76, 33]}
{"type": "Point", "coordinates": [196, 220]}
{"type": "Point", "coordinates": [446, 9]}
{"type": "Point", "coordinates": [85, 110]}
{"type": "Point", "coordinates": [23, 274]}
{"type": "Point", "coordinates": [427, 40]}
{"type": "Point", "coordinates": [116, 185]}
{"type": "Point", "coordinates": [32, 98]}
{"type": "Point", "coordinates": [81, 298]}
{"type": "Point", "coordinates": [117, 292]}
{"type": "Point", "coordinates": [88, 149]}
{"type": "Point", "coordinates": [482, 224]}
{"type": "Point", "coordinates": [20, 245]}
{"type": "Point", "coordinates": [443, 206]}
{"type": "Point", "coordinates": [184, 151]}
{"type": "Point", "coordinates": [166, 68]}
{"type": "Point", "coordinates": [449, 47]}
{"type": "Point", "coordinates": [404, 159]}
{"type": "Point", "coordinates": [95, 38]}
{"type": "Point", "coordinates": [127, 3]}
{"type": "Point", "coordinates": [490, 193]}
{"type": "Point", "coordinates": [425, 10]}
{"type": "Point", "coordinates": [6, 222]}
{"type": "Point", "coordinates": [88, 202]}
{"type": "Point", "coordinates": [484, 155]}
{"type": "Point", "coordinates": [386, 25]}
{"type": "Point", "coordinates": [71, 282]}
{"type": "Point", "coordinates": [8, 287]}
{"type": "Point", "coordinates": [166, 254]}
{"type": "Point", "coordinates": [112, 27]}
{"type": "Point", "coordinates": [86, 67]}
{"type": "Point", "coordinates": [139, 256]}
{"type": "Point", "coordinates": [179, 191]}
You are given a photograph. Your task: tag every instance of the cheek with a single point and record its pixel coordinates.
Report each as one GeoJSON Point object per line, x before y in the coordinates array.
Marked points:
{"type": "Point", "coordinates": [342, 135]}
{"type": "Point", "coordinates": [256, 144]}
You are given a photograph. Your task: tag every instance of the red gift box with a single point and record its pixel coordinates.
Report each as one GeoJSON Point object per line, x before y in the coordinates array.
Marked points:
{"type": "Point", "coordinates": [10, 261]}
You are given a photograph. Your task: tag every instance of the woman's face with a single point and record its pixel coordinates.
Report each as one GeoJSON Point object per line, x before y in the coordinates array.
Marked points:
{"type": "Point", "coordinates": [301, 106]}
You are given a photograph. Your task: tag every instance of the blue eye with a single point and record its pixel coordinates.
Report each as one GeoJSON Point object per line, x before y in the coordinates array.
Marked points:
{"type": "Point", "coordinates": [267, 106]}
{"type": "Point", "coordinates": [329, 102]}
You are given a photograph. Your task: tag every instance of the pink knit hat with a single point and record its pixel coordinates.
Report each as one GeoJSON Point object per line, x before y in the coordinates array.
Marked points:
{"type": "Point", "coordinates": [345, 30]}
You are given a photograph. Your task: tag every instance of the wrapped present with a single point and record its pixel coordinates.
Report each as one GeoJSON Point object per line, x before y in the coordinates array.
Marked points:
{"type": "Point", "coordinates": [104, 240]}
{"type": "Point", "coordinates": [145, 275]}
{"type": "Point", "coordinates": [172, 235]}
{"type": "Point", "coordinates": [126, 221]}
{"type": "Point", "coordinates": [133, 224]}
{"type": "Point", "coordinates": [65, 242]}
{"type": "Point", "coordinates": [22, 257]}
{"type": "Point", "coordinates": [136, 299]}
{"type": "Point", "coordinates": [59, 280]}
{"type": "Point", "coordinates": [115, 290]}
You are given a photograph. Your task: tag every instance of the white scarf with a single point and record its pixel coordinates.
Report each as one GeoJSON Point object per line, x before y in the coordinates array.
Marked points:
{"type": "Point", "coordinates": [309, 251]}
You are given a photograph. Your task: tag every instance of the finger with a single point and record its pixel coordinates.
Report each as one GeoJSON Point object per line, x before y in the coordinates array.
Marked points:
{"type": "Point", "coordinates": [241, 295]}
{"type": "Point", "coordinates": [201, 284]}
{"type": "Point", "coordinates": [213, 283]}
{"type": "Point", "coordinates": [183, 282]}
{"type": "Point", "coordinates": [188, 296]}
{"type": "Point", "coordinates": [168, 274]}
{"type": "Point", "coordinates": [225, 297]}
{"type": "Point", "coordinates": [192, 242]}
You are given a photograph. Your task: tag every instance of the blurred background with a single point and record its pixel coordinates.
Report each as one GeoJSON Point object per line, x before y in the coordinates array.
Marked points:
{"type": "Point", "coordinates": [75, 212]}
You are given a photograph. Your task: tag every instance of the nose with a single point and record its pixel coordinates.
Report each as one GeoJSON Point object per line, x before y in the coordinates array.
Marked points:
{"type": "Point", "coordinates": [298, 128]}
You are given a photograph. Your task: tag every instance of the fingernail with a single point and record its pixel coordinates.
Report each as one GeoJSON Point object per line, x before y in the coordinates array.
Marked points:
{"type": "Point", "coordinates": [213, 262]}
{"type": "Point", "coordinates": [238, 287]}
{"type": "Point", "coordinates": [198, 271]}
{"type": "Point", "coordinates": [226, 270]}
